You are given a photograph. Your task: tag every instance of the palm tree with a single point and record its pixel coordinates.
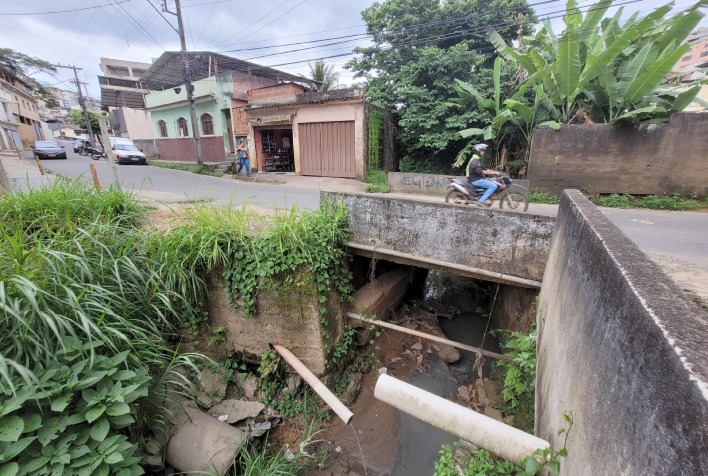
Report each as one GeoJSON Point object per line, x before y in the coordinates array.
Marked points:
{"type": "Point", "coordinates": [324, 74]}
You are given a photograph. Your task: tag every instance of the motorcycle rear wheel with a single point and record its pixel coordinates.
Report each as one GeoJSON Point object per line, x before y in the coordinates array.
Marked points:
{"type": "Point", "coordinates": [456, 197]}
{"type": "Point", "coordinates": [83, 151]}
{"type": "Point", "coordinates": [97, 156]}
{"type": "Point", "coordinates": [515, 200]}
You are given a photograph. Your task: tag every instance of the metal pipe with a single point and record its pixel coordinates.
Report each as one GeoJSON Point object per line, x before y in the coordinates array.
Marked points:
{"type": "Point", "coordinates": [442, 340]}
{"type": "Point", "coordinates": [444, 265]}
{"type": "Point", "coordinates": [494, 436]}
{"type": "Point", "coordinates": [330, 399]}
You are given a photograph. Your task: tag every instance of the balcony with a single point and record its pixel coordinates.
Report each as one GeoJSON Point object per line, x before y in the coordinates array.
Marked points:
{"type": "Point", "coordinates": [5, 96]}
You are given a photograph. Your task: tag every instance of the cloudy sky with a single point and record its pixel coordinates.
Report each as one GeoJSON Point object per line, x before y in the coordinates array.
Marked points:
{"type": "Point", "coordinates": [265, 32]}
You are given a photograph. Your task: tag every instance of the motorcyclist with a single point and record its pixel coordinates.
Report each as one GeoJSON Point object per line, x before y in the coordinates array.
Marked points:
{"type": "Point", "coordinates": [476, 175]}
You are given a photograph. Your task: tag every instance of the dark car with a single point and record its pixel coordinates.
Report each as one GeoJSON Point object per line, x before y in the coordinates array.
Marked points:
{"type": "Point", "coordinates": [48, 149]}
{"type": "Point", "coordinates": [79, 143]}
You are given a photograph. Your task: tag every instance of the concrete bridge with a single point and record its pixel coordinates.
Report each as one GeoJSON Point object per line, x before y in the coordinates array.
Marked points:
{"type": "Point", "coordinates": [619, 344]}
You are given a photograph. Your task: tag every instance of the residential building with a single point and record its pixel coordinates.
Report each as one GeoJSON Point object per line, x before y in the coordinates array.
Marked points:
{"type": "Point", "coordinates": [221, 86]}
{"type": "Point", "coordinates": [9, 126]}
{"type": "Point", "coordinates": [328, 134]}
{"type": "Point", "coordinates": [123, 96]}
{"type": "Point", "coordinates": [697, 56]}
{"type": "Point", "coordinates": [24, 108]}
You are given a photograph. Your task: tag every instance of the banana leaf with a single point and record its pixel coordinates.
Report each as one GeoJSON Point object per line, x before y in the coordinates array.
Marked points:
{"type": "Point", "coordinates": [639, 115]}
{"type": "Point", "coordinates": [685, 98]}
{"type": "Point", "coordinates": [637, 66]}
{"type": "Point", "coordinates": [652, 76]}
{"type": "Point", "coordinates": [568, 64]}
{"type": "Point", "coordinates": [681, 26]}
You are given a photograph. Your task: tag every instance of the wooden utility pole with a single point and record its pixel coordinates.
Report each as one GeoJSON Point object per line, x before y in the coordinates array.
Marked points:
{"type": "Point", "coordinates": [188, 84]}
{"type": "Point", "coordinates": [109, 151]}
{"type": "Point", "coordinates": [82, 99]}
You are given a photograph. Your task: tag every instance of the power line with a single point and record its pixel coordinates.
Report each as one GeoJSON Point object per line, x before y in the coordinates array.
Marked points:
{"type": "Point", "coordinates": [261, 18]}
{"type": "Point", "coordinates": [60, 11]}
{"type": "Point", "coordinates": [138, 24]}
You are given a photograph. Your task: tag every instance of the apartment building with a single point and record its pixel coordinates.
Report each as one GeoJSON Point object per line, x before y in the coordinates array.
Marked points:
{"type": "Point", "coordinates": [21, 109]}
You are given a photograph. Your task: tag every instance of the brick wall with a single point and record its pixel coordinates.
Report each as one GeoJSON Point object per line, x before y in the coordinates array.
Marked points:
{"type": "Point", "coordinates": [240, 121]}
{"type": "Point", "coordinates": [289, 89]}
{"type": "Point", "coordinates": [182, 149]}
{"type": "Point", "coordinates": [244, 82]}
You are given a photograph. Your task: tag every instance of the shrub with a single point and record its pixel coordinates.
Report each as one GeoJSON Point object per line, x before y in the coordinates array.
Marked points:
{"type": "Point", "coordinates": [377, 182]}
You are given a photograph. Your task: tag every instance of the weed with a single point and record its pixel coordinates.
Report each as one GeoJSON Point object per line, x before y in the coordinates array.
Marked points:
{"type": "Point", "coordinates": [673, 202]}
{"type": "Point", "coordinates": [377, 182]}
{"type": "Point", "coordinates": [541, 196]}
{"type": "Point", "coordinates": [195, 169]}
{"type": "Point", "coordinates": [218, 336]}
{"type": "Point", "coordinates": [613, 201]}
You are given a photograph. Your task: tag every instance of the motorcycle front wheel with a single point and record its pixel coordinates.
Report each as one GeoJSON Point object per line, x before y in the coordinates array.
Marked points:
{"type": "Point", "coordinates": [96, 156]}
{"type": "Point", "coordinates": [515, 200]}
{"type": "Point", "coordinates": [456, 197]}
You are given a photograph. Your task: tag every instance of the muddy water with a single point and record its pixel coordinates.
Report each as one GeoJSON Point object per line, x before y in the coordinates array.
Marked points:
{"type": "Point", "coordinates": [419, 442]}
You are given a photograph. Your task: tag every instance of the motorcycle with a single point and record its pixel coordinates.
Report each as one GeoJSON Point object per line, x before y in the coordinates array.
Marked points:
{"type": "Point", "coordinates": [514, 195]}
{"type": "Point", "coordinates": [94, 152]}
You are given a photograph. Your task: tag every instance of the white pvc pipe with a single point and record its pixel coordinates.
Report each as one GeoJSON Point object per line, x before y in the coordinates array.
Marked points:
{"type": "Point", "coordinates": [330, 399]}
{"type": "Point", "coordinates": [494, 436]}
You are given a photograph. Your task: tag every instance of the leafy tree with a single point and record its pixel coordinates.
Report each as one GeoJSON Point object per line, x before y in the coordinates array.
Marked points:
{"type": "Point", "coordinates": [77, 117]}
{"type": "Point", "coordinates": [23, 66]}
{"type": "Point", "coordinates": [420, 47]}
{"type": "Point", "coordinates": [324, 73]}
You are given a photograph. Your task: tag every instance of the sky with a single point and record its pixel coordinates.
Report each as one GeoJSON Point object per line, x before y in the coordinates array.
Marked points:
{"type": "Point", "coordinates": [263, 32]}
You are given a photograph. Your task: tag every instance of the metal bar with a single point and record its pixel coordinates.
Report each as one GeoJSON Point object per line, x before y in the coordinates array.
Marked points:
{"type": "Point", "coordinates": [442, 340]}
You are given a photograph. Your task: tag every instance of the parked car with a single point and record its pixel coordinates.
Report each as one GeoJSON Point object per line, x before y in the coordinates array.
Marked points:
{"type": "Point", "coordinates": [48, 149]}
{"type": "Point", "coordinates": [79, 143]}
{"type": "Point", "coordinates": [125, 151]}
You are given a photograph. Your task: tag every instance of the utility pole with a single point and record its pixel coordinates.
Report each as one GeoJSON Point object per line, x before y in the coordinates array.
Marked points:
{"type": "Point", "coordinates": [109, 150]}
{"type": "Point", "coordinates": [82, 100]}
{"type": "Point", "coordinates": [188, 84]}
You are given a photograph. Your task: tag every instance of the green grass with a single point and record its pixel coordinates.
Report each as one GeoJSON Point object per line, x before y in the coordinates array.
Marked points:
{"type": "Point", "coordinates": [541, 196]}
{"type": "Point", "coordinates": [195, 169]}
{"type": "Point", "coordinates": [377, 182]}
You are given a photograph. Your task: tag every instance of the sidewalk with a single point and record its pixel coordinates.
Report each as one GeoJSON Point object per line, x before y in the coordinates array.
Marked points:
{"type": "Point", "coordinates": [22, 174]}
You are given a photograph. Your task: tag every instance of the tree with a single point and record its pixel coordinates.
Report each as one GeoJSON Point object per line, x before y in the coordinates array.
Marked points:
{"type": "Point", "coordinates": [23, 66]}
{"type": "Point", "coordinates": [420, 47]}
{"type": "Point", "coordinates": [77, 117]}
{"type": "Point", "coordinates": [596, 70]}
{"type": "Point", "coordinates": [325, 74]}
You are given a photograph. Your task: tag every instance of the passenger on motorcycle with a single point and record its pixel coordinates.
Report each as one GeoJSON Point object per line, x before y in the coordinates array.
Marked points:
{"type": "Point", "coordinates": [476, 173]}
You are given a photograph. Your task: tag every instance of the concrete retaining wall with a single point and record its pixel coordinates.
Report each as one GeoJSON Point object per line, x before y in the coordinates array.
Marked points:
{"type": "Point", "coordinates": [424, 184]}
{"type": "Point", "coordinates": [634, 159]}
{"type": "Point", "coordinates": [622, 348]}
{"type": "Point", "coordinates": [495, 245]}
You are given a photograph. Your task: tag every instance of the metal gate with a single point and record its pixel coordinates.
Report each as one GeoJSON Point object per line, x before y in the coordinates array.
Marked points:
{"type": "Point", "coordinates": [327, 149]}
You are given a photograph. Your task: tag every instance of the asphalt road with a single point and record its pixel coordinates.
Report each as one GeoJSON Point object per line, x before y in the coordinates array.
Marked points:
{"type": "Point", "coordinates": [174, 186]}
{"type": "Point", "coordinates": [683, 235]}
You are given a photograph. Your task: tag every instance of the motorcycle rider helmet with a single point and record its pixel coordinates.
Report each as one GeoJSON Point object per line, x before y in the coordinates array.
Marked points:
{"type": "Point", "coordinates": [480, 147]}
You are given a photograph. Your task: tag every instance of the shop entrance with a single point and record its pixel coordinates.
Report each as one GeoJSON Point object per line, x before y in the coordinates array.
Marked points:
{"type": "Point", "coordinates": [274, 146]}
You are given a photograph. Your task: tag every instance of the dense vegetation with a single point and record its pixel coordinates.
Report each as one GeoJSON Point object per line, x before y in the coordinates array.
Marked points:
{"type": "Point", "coordinates": [90, 305]}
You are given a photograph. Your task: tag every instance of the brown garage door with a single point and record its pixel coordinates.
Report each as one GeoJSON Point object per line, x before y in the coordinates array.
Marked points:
{"type": "Point", "coordinates": [327, 149]}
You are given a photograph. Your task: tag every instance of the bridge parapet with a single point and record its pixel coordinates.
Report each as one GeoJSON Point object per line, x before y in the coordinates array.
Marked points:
{"type": "Point", "coordinates": [494, 245]}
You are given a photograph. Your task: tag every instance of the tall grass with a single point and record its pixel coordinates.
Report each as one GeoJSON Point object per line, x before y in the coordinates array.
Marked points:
{"type": "Point", "coordinates": [377, 181]}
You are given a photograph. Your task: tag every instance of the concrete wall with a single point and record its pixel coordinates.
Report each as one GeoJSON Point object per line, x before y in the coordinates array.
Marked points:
{"type": "Point", "coordinates": [424, 184]}
{"type": "Point", "coordinates": [290, 318]}
{"type": "Point", "coordinates": [133, 123]}
{"type": "Point", "coordinates": [182, 150]}
{"type": "Point", "coordinates": [636, 159]}
{"type": "Point", "coordinates": [623, 349]}
{"type": "Point", "coordinates": [495, 245]}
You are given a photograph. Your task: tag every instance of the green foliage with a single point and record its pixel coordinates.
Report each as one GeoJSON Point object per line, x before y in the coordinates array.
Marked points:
{"type": "Point", "coordinates": [548, 459]}
{"type": "Point", "coordinates": [480, 463]}
{"type": "Point", "coordinates": [375, 140]}
{"type": "Point", "coordinates": [519, 377]}
{"type": "Point", "coordinates": [86, 316]}
{"type": "Point", "coordinates": [614, 200]}
{"type": "Point", "coordinates": [377, 182]}
{"type": "Point", "coordinates": [195, 169]}
{"type": "Point", "coordinates": [218, 336]}
{"type": "Point", "coordinates": [77, 117]}
{"type": "Point", "coordinates": [433, 43]}
{"type": "Point", "coordinates": [541, 196]}
{"type": "Point", "coordinates": [23, 66]}
{"type": "Point", "coordinates": [674, 202]}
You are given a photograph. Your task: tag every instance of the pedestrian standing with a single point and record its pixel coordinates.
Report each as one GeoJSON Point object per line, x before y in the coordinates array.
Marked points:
{"type": "Point", "coordinates": [243, 159]}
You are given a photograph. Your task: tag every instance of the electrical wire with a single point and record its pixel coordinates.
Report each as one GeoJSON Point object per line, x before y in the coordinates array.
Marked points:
{"type": "Point", "coordinates": [59, 11]}
{"type": "Point", "coordinates": [261, 18]}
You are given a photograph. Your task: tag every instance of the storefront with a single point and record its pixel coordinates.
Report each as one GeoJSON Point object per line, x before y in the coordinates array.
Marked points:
{"type": "Point", "coordinates": [274, 148]}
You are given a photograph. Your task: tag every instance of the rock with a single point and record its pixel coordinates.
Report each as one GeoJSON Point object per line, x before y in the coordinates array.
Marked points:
{"type": "Point", "coordinates": [212, 389]}
{"type": "Point", "coordinates": [417, 346]}
{"type": "Point", "coordinates": [448, 354]}
{"type": "Point", "coordinates": [338, 449]}
{"type": "Point", "coordinates": [153, 447]}
{"type": "Point", "coordinates": [260, 429]}
{"type": "Point", "coordinates": [351, 391]}
{"type": "Point", "coordinates": [495, 413]}
{"type": "Point", "coordinates": [294, 383]}
{"type": "Point", "coordinates": [493, 390]}
{"type": "Point", "coordinates": [509, 420]}
{"type": "Point", "coordinates": [436, 348]}
{"type": "Point", "coordinates": [383, 371]}
{"type": "Point", "coordinates": [419, 359]}
{"type": "Point", "coordinates": [248, 385]}
{"type": "Point", "coordinates": [236, 410]}
{"type": "Point", "coordinates": [464, 392]}
{"type": "Point", "coordinates": [481, 394]}
{"type": "Point", "coordinates": [153, 463]}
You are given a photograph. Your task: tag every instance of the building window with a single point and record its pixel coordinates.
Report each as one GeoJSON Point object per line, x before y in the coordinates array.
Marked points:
{"type": "Point", "coordinates": [162, 128]}
{"type": "Point", "coordinates": [686, 58]}
{"type": "Point", "coordinates": [207, 125]}
{"type": "Point", "coordinates": [705, 53]}
{"type": "Point", "coordinates": [182, 130]}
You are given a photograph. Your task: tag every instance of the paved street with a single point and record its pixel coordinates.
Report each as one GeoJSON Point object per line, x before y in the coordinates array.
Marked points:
{"type": "Point", "coordinates": [677, 241]}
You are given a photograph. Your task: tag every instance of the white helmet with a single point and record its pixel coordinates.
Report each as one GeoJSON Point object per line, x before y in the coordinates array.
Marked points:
{"type": "Point", "coordinates": [480, 147]}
